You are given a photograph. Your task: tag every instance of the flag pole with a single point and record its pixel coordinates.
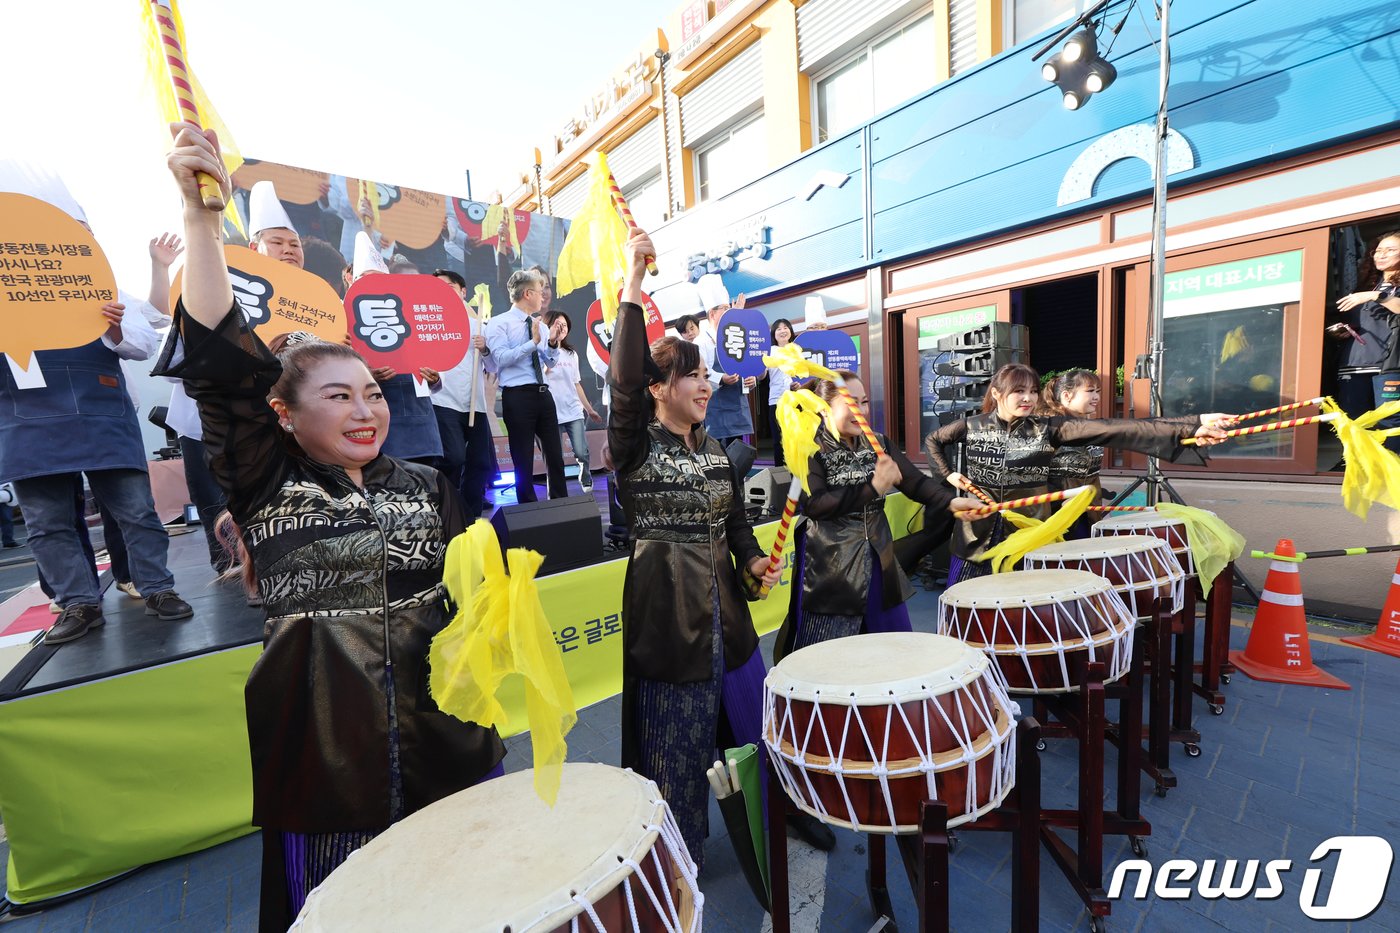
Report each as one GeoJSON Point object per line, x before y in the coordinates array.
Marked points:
{"type": "Point", "coordinates": [183, 89]}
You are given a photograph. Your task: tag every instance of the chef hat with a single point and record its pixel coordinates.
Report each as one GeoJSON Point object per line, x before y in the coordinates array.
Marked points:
{"type": "Point", "coordinates": [814, 311]}
{"type": "Point", "coordinates": [265, 211]}
{"type": "Point", "coordinates": [367, 256]}
{"type": "Point", "coordinates": [712, 291]}
{"type": "Point", "coordinates": [41, 183]}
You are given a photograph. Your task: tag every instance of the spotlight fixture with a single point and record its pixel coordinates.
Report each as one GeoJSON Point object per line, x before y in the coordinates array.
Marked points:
{"type": "Point", "coordinates": [1078, 70]}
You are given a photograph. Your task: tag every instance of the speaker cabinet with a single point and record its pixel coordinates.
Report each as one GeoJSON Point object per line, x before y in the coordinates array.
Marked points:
{"type": "Point", "coordinates": [568, 532]}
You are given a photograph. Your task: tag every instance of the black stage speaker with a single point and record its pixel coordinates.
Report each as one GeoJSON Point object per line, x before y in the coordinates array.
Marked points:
{"type": "Point", "coordinates": [568, 532]}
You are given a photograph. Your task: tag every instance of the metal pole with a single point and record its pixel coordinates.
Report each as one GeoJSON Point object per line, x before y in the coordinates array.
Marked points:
{"type": "Point", "coordinates": [1157, 309]}
{"type": "Point", "coordinates": [662, 57]}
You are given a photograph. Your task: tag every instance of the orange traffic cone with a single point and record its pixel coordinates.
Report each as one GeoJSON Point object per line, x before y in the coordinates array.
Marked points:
{"type": "Point", "coordinates": [1386, 637]}
{"type": "Point", "coordinates": [1278, 649]}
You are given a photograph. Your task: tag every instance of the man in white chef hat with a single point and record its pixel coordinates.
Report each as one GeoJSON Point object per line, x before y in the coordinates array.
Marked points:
{"type": "Point", "coordinates": [270, 230]}
{"type": "Point", "coordinates": [727, 417]}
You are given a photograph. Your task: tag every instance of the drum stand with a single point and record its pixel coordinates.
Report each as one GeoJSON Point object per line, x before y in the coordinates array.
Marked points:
{"type": "Point", "coordinates": [1215, 667]}
{"type": "Point", "coordinates": [925, 853]}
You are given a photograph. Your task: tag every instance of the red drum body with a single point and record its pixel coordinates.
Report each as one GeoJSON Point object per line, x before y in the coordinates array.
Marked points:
{"type": "Point", "coordinates": [863, 729]}
{"type": "Point", "coordinates": [1140, 567]}
{"type": "Point", "coordinates": [1041, 626]}
{"type": "Point", "coordinates": [1170, 530]}
{"type": "Point", "coordinates": [607, 856]}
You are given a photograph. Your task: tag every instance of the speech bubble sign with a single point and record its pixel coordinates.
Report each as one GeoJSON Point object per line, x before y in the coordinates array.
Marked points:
{"type": "Point", "coordinates": [833, 349]}
{"type": "Point", "coordinates": [741, 340]}
{"type": "Point", "coordinates": [54, 280]}
{"type": "Point", "coordinates": [294, 185]}
{"type": "Point", "coordinates": [407, 322]}
{"type": "Point", "coordinates": [471, 214]}
{"type": "Point", "coordinates": [277, 297]}
{"type": "Point", "coordinates": [600, 335]}
{"type": "Point", "coordinates": [406, 215]}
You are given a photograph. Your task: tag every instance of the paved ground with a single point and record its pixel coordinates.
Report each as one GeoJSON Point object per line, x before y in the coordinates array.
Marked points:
{"type": "Point", "coordinates": [1284, 769]}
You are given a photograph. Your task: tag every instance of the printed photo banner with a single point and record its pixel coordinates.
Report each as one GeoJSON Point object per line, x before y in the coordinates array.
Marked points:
{"type": "Point", "coordinates": [600, 335]}
{"type": "Point", "coordinates": [741, 342]}
{"type": "Point", "coordinates": [472, 216]}
{"type": "Point", "coordinates": [406, 215]}
{"type": "Point", "coordinates": [54, 281]}
{"type": "Point", "coordinates": [407, 322]}
{"type": "Point", "coordinates": [277, 297]}
{"type": "Point", "coordinates": [294, 185]}
{"type": "Point", "coordinates": [833, 349]}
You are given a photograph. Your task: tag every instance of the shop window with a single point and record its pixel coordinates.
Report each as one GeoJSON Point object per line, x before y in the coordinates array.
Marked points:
{"type": "Point", "coordinates": [1026, 19]}
{"type": "Point", "coordinates": [1227, 333]}
{"type": "Point", "coordinates": [891, 69]}
{"type": "Point", "coordinates": [732, 159]}
{"type": "Point", "coordinates": [647, 201]}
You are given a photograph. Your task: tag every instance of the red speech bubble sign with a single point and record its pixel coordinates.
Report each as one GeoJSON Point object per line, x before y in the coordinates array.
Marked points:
{"type": "Point", "coordinates": [471, 214]}
{"type": "Point", "coordinates": [600, 336]}
{"type": "Point", "coordinates": [407, 322]}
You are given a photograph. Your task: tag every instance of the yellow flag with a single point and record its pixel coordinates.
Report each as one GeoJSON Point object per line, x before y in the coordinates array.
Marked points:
{"type": "Point", "coordinates": [1372, 472]}
{"type": "Point", "coordinates": [368, 191]}
{"type": "Point", "coordinates": [800, 413]}
{"type": "Point", "coordinates": [496, 215]}
{"type": "Point", "coordinates": [1213, 543]}
{"type": "Point", "coordinates": [481, 300]}
{"type": "Point", "coordinates": [1034, 533]}
{"type": "Point", "coordinates": [170, 112]}
{"type": "Point", "coordinates": [790, 360]}
{"type": "Point", "coordinates": [500, 629]}
{"type": "Point", "coordinates": [593, 249]}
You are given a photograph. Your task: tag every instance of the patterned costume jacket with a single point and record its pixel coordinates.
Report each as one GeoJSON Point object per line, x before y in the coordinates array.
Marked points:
{"type": "Point", "coordinates": [1011, 460]}
{"type": "Point", "coordinates": [351, 580]}
{"type": "Point", "coordinates": [689, 531]}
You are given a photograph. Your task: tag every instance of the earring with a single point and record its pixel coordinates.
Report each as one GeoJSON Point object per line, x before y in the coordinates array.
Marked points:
{"type": "Point", "coordinates": [289, 427]}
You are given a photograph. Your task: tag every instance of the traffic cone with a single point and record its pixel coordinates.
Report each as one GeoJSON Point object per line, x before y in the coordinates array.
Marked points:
{"type": "Point", "coordinates": [1278, 649]}
{"type": "Point", "coordinates": [1386, 637]}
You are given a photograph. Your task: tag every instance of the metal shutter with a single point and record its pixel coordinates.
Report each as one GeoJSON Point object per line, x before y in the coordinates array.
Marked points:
{"type": "Point", "coordinates": [728, 92]}
{"type": "Point", "coordinates": [962, 34]}
{"type": "Point", "coordinates": [570, 198]}
{"type": "Point", "coordinates": [827, 28]}
{"type": "Point", "coordinates": [638, 156]}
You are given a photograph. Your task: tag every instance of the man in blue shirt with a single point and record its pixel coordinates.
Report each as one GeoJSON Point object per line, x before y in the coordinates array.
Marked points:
{"type": "Point", "coordinates": [519, 343]}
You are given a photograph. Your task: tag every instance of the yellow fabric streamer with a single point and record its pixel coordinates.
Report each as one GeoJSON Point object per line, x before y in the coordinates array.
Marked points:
{"type": "Point", "coordinates": [1213, 543]}
{"type": "Point", "coordinates": [592, 251]}
{"type": "Point", "coordinates": [500, 629]}
{"type": "Point", "coordinates": [491, 226]}
{"type": "Point", "coordinates": [481, 300]}
{"type": "Point", "coordinates": [170, 110]}
{"type": "Point", "coordinates": [790, 360]}
{"type": "Point", "coordinates": [1006, 555]}
{"type": "Point", "coordinates": [1372, 472]}
{"type": "Point", "coordinates": [800, 413]}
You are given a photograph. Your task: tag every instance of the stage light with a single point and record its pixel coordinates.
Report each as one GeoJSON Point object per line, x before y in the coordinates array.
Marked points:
{"type": "Point", "coordinates": [1050, 70]}
{"type": "Point", "coordinates": [1072, 100]}
{"type": "Point", "coordinates": [1081, 45]}
{"type": "Point", "coordinates": [1101, 75]}
{"type": "Point", "coordinates": [1078, 70]}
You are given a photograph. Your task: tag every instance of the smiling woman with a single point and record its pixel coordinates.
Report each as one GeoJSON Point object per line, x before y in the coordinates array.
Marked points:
{"type": "Point", "coordinates": [345, 545]}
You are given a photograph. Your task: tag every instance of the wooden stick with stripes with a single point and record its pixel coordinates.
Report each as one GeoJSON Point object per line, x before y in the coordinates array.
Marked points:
{"type": "Point", "coordinates": [621, 204]}
{"type": "Point", "coordinates": [1027, 502]}
{"type": "Point", "coordinates": [858, 415]}
{"type": "Point", "coordinates": [775, 559]}
{"type": "Point", "coordinates": [1281, 408]}
{"type": "Point", "coordinates": [1120, 508]}
{"type": "Point", "coordinates": [1271, 426]}
{"type": "Point", "coordinates": [183, 89]}
{"type": "Point", "coordinates": [1335, 552]}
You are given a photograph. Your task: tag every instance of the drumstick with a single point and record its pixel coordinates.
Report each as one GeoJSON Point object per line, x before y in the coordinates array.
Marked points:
{"type": "Point", "coordinates": [181, 87]}
{"type": "Point", "coordinates": [1271, 426]}
{"type": "Point", "coordinates": [723, 776]}
{"type": "Point", "coordinates": [1121, 508]}
{"type": "Point", "coordinates": [1282, 408]}
{"type": "Point", "coordinates": [789, 509]}
{"type": "Point", "coordinates": [621, 204]}
{"type": "Point", "coordinates": [1027, 502]}
{"type": "Point", "coordinates": [734, 773]}
{"type": "Point", "coordinates": [715, 784]}
{"type": "Point", "coordinates": [972, 488]}
{"type": "Point", "coordinates": [864, 425]}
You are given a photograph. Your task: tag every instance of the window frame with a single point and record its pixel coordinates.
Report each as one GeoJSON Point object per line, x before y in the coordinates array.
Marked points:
{"type": "Point", "coordinates": [867, 48]}
{"type": "Point", "coordinates": [714, 141]}
{"type": "Point", "coordinates": [1008, 19]}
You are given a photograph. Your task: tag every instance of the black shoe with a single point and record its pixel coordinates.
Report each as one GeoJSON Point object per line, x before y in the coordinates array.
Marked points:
{"type": "Point", "coordinates": [13, 544]}
{"type": "Point", "coordinates": [168, 607]}
{"type": "Point", "coordinates": [812, 831]}
{"type": "Point", "coordinates": [73, 622]}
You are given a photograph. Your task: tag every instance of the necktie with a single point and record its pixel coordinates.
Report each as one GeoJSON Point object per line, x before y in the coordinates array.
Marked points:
{"type": "Point", "coordinates": [530, 325]}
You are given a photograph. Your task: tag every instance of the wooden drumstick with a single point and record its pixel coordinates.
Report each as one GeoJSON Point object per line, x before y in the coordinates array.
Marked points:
{"type": "Point", "coordinates": [1271, 426]}
{"type": "Point", "coordinates": [1027, 502]}
{"type": "Point", "coordinates": [715, 784]}
{"type": "Point", "coordinates": [1121, 508]}
{"type": "Point", "coordinates": [723, 776]}
{"type": "Point", "coordinates": [734, 773]}
{"type": "Point", "coordinates": [1281, 408]}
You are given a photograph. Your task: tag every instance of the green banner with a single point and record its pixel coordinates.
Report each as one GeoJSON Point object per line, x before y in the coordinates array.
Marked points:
{"type": "Point", "coordinates": [1239, 276]}
{"type": "Point", "coordinates": [935, 326]}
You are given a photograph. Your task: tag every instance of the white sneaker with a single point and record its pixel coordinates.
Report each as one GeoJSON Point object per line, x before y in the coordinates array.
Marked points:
{"type": "Point", "coordinates": [129, 589]}
{"type": "Point", "coordinates": [586, 487]}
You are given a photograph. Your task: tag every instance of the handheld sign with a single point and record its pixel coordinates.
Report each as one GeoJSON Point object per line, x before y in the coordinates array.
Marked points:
{"type": "Point", "coordinates": [54, 281]}
{"type": "Point", "coordinates": [406, 215]}
{"type": "Point", "coordinates": [741, 340]}
{"type": "Point", "coordinates": [294, 185]}
{"type": "Point", "coordinates": [600, 335]}
{"type": "Point", "coordinates": [277, 297]}
{"type": "Point", "coordinates": [833, 349]}
{"type": "Point", "coordinates": [472, 214]}
{"type": "Point", "coordinates": [407, 322]}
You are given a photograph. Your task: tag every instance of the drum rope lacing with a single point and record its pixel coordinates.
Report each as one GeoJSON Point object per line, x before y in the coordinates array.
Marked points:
{"type": "Point", "coordinates": [1145, 577]}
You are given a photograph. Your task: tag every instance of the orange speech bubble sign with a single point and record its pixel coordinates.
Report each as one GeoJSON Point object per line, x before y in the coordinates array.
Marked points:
{"type": "Point", "coordinates": [294, 185]}
{"type": "Point", "coordinates": [279, 298]}
{"type": "Point", "coordinates": [406, 215]}
{"type": "Point", "coordinates": [54, 280]}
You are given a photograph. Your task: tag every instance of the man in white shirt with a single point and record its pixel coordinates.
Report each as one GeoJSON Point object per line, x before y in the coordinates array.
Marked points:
{"type": "Point", "coordinates": [468, 450]}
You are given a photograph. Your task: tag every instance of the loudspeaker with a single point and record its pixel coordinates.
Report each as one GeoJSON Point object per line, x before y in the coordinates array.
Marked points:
{"type": "Point", "coordinates": [767, 489]}
{"type": "Point", "coordinates": [568, 532]}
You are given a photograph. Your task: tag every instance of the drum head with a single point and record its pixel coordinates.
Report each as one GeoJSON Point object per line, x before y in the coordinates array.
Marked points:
{"type": "Point", "coordinates": [494, 856]}
{"type": "Point", "coordinates": [1139, 520]}
{"type": "Point", "coordinates": [1024, 588]}
{"type": "Point", "coordinates": [1097, 548]}
{"type": "Point", "coordinates": [877, 669]}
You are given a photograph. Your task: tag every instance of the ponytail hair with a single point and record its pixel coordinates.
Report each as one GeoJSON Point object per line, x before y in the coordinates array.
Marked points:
{"type": "Point", "coordinates": [1069, 381]}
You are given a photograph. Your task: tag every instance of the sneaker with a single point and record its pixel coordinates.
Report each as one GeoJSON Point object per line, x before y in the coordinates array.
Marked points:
{"type": "Point", "coordinates": [74, 622]}
{"type": "Point", "coordinates": [129, 589]}
{"type": "Point", "coordinates": [587, 488]}
{"type": "Point", "coordinates": [168, 607]}
{"type": "Point", "coordinates": [13, 544]}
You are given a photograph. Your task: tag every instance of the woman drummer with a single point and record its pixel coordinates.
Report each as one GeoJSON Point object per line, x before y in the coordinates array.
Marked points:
{"type": "Point", "coordinates": [1009, 449]}
{"type": "Point", "coordinates": [844, 553]}
{"type": "Point", "coordinates": [692, 675]}
{"type": "Point", "coordinates": [346, 547]}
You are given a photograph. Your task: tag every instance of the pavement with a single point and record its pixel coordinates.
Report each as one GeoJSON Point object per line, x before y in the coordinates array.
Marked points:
{"type": "Point", "coordinates": [1285, 768]}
